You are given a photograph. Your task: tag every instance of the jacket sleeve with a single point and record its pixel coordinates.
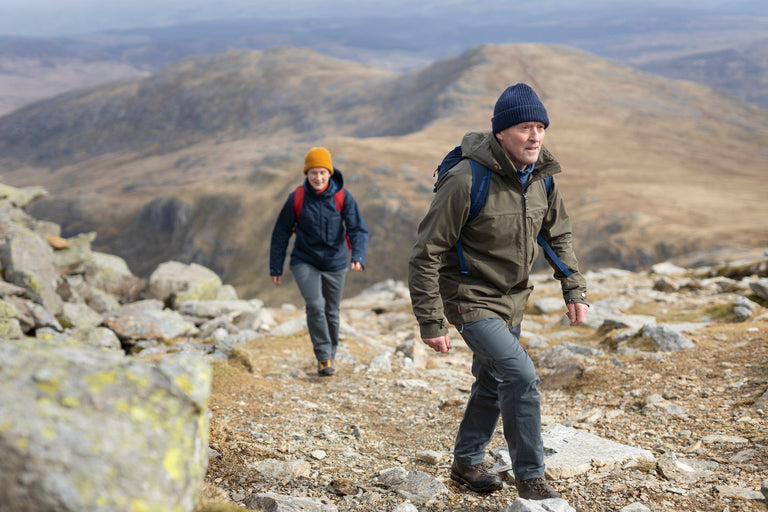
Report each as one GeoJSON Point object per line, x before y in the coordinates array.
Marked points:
{"type": "Point", "coordinates": [438, 233]}
{"type": "Point", "coordinates": [556, 230]}
{"type": "Point", "coordinates": [356, 228]}
{"type": "Point", "coordinates": [281, 234]}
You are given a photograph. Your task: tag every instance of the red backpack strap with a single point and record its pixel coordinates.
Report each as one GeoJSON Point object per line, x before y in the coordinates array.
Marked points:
{"type": "Point", "coordinates": [298, 200]}
{"type": "Point", "coordinates": [339, 198]}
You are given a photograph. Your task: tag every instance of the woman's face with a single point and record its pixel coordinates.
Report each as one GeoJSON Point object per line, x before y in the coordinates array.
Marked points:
{"type": "Point", "coordinates": [318, 178]}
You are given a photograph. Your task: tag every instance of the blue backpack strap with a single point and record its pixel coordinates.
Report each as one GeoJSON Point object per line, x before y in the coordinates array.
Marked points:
{"type": "Point", "coordinates": [453, 157]}
{"type": "Point", "coordinates": [548, 184]}
{"type": "Point", "coordinates": [543, 243]}
{"type": "Point", "coordinates": [481, 180]}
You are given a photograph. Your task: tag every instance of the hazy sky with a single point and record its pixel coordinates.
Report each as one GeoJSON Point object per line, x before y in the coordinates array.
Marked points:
{"type": "Point", "coordinates": [44, 18]}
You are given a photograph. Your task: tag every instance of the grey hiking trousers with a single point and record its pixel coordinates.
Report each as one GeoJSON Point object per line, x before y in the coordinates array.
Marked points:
{"type": "Point", "coordinates": [322, 293]}
{"type": "Point", "coordinates": [505, 385]}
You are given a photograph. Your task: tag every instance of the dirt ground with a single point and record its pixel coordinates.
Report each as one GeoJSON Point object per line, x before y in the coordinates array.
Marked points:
{"type": "Point", "coordinates": [269, 403]}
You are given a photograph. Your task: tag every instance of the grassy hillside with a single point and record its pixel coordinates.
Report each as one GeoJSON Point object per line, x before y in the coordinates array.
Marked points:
{"type": "Point", "coordinates": [194, 162]}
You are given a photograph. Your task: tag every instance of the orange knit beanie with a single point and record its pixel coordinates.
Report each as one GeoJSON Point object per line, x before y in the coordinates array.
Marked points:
{"type": "Point", "coordinates": [318, 157]}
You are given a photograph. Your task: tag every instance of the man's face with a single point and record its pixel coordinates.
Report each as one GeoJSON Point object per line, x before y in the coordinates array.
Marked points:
{"type": "Point", "coordinates": [318, 178]}
{"type": "Point", "coordinates": [522, 142]}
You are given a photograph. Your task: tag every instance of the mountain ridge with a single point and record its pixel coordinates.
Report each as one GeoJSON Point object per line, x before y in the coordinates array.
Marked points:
{"type": "Point", "coordinates": [644, 158]}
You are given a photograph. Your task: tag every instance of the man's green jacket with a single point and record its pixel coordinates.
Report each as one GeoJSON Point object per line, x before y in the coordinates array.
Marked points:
{"type": "Point", "coordinates": [499, 245]}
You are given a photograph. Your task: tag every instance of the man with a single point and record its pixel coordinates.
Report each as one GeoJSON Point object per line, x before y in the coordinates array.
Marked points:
{"type": "Point", "coordinates": [486, 302]}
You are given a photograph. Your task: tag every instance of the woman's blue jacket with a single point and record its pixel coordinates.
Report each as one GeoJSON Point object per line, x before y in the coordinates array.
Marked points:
{"type": "Point", "coordinates": [321, 230]}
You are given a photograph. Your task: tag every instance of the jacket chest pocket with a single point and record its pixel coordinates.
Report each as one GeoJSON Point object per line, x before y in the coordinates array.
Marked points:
{"type": "Point", "coordinates": [331, 225]}
{"type": "Point", "coordinates": [500, 235]}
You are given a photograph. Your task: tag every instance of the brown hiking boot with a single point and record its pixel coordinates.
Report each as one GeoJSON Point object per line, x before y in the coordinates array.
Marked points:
{"type": "Point", "coordinates": [475, 478]}
{"type": "Point", "coordinates": [535, 489]}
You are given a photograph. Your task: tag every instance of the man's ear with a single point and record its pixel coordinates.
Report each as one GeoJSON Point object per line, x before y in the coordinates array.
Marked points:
{"type": "Point", "coordinates": [497, 135]}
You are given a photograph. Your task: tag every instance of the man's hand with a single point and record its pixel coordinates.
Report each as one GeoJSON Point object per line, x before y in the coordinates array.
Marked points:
{"type": "Point", "coordinates": [439, 344]}
{"type": "Point", "coordinates": [577, 313]}
{"type": "Point", "coordinates": [277, 280]}
{"type": "Point", "coordinates": [356, 266]}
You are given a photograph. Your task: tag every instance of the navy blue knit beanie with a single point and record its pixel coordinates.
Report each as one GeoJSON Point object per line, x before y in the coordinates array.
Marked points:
{"type": "Point", "coordinates": [518, 104]}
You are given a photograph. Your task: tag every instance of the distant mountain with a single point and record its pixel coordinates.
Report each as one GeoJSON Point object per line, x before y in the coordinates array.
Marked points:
{"type": "Point", "coordinates": [741, 70]}
{"type": "Point", "coordinates": [651, 35]}
{"type": "Point", "coordinates": [231, 95]}
{"type": "Point", "coordinates": [194, 161]}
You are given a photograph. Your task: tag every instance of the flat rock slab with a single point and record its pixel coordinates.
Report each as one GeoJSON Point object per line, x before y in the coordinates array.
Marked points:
{"type": "Point", "coordinates": [569, 452]}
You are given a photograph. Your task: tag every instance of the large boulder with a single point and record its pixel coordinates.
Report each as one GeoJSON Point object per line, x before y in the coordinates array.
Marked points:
{"type": "Point", "coordinates": [92, 429]}
{"type": "Point", "coordinates": [27, 261]}
{"type": "Point", "coordinates": [173, 282]}
{"type": "Point", "coordinates": [111, 274]}
{"type": "Point", "coordinates": [147, 319]}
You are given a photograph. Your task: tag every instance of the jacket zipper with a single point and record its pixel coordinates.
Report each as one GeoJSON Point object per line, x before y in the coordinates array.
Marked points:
{"type": "Point", "coordinates": [525, 224]}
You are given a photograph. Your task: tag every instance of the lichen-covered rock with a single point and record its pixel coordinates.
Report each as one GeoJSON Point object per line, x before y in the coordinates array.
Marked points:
{"type": "Point", "coordinates": [148, 320]}
{"type": "Point", "coordinates": [216, 308]}
{"type": "Point", "coordinates": [97, 337]}
{"type": "Point", "coordinates": [78, 315]}
{"type": "Point", "coordinates": [9, 323]}
{"type": "Point", "coordinates": [90, 429]}
{"type": "Point", "coordinates": [111, 274]}
{"type": "Point", "coordinates": [71, 255]}
{"type": "Point", "coordinates": [27, 261]}
{"type": "Point", "coordinates": [21, 196]}
{"type": "Point", "coordinates": [175, 282]}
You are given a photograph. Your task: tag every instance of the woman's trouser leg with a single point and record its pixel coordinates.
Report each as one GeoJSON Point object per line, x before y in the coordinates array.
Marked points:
{"type": "Point", "coordinates": [310, 282]}
{"type": "Point", "coordinates": [333, 289]}
{"type": "Point", "coordinates": [322, 292]}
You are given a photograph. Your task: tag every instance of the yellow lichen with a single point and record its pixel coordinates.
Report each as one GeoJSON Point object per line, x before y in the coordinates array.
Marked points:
{"type": "Point", "coordinates": [140, 380]}
{"type": "Point", "coordinates": [98, 381]}
{"type": "Point", "coordinates": [48, 432]}
{"type": "Point", "coordinates": [48, 386]}
{"type": "Point", "coordinates": [185, 384]}
{"type": "Point", "coordinates": [173, 463]}
{"type": "Point", "coordinates": [158, 396]}
{"type": "Point", "coordinates": [140, 505]}
{"type": "Point", "coordinates": [139, 413]}
{"type": "Point", "coordinates": [70, 401]}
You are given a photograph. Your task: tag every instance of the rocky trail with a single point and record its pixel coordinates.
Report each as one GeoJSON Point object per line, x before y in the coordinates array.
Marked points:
{"type": "Point", "coordinates": [279, 428]}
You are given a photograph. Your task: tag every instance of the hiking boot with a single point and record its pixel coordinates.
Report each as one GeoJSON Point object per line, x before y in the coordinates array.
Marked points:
{"type": "Point", "coordinates": [535, 489]}
{"type": "Point", "coordinates": [475, 478]}
{"type": "Point", "coordinates": [325, 368]}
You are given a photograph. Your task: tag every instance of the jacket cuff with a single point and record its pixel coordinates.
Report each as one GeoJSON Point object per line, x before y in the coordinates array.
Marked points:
{"type": "Point", "coordinates": [433, 329]}
{"type": "Point", "coordinates": [572, 296]}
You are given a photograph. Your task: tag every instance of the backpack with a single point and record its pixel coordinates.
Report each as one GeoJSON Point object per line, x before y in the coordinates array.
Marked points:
{"type": "Point", "coordinates": [298, 203]}
{"type": "Point", "coordinates": [481, 180]}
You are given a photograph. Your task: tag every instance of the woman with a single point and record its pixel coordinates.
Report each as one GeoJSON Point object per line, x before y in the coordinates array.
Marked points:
{"type": "Point", "coordinates": [326, 220]}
